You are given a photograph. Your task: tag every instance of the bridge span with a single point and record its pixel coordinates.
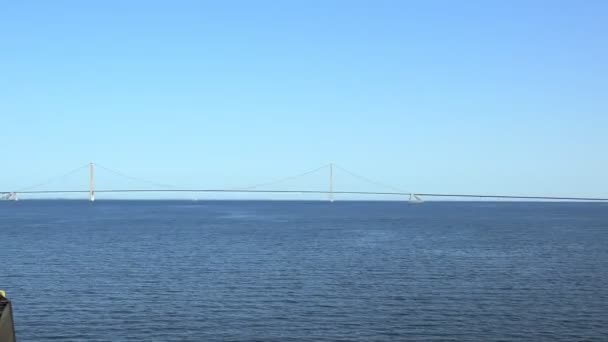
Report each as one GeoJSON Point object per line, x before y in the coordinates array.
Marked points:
{"type": "Point", "coordinates": [330, 191]}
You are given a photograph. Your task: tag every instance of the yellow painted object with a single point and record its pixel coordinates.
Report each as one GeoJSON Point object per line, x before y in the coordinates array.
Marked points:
{"type": "Point", "coordinates": [7, 327]}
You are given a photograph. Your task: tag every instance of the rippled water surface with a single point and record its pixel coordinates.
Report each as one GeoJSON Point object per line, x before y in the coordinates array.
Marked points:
{"type": "Point", "coordinates": [305, 271]}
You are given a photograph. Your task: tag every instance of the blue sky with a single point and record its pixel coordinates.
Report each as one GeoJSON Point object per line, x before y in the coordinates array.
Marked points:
{"type": "Point", "coordinates": [429, 96]}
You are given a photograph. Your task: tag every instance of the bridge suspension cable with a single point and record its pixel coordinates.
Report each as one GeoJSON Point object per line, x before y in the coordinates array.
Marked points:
{"type": "Point", "coordinates": [137, 179]}
{"type": "Point", "coordinates": [50, 180]}
{"type": "Point", "coordinates": [368, 180]}
{"type": "Point", "coordinates": [282, 180]}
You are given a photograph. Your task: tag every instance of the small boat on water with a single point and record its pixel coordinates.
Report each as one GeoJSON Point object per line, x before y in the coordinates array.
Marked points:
{"type": "Point", "coordinates": [7, 327]}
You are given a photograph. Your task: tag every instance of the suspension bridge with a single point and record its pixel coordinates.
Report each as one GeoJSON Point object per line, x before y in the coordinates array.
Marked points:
{"type": "Point", "coordinates": [329, 191]}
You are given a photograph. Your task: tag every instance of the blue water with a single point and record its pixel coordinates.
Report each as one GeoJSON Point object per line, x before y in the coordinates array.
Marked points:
{"type": "Point", "coordinates": [305, 271]}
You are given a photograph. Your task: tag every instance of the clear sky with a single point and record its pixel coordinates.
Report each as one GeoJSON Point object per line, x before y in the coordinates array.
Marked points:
{"type": "Point", "coordinates": [430, 96]}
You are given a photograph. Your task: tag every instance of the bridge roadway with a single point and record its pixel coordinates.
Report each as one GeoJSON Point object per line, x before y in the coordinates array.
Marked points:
{"type": "Point", "coordinates": [413, 196]}
{"type": "Point", "coordinates": [326, 192]}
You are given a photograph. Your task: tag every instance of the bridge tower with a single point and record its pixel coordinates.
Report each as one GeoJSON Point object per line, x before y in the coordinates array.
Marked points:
{"type": "Point", "coordinates": [331, 182]}
{"type": "Point", "coordinates": [92, 183]}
